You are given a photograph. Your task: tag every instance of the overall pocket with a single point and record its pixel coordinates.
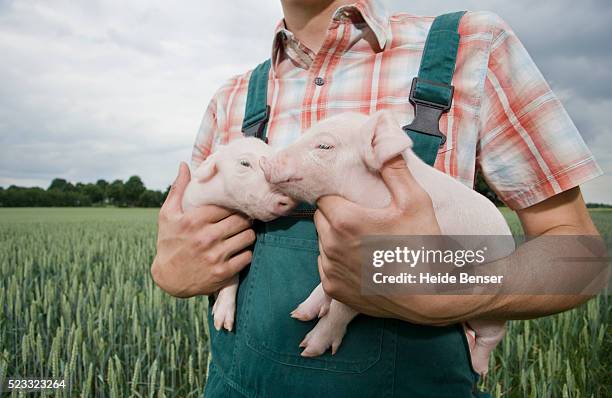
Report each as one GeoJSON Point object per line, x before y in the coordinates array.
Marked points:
{"type": "Point", "coordinates": [283, 273]}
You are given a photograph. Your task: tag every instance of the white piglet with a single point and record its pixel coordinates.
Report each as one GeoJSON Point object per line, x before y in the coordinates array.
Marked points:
{"type": "Point", "coordinates": [342, 156]}
{"type": "Point", "coordinates": [231, 177]}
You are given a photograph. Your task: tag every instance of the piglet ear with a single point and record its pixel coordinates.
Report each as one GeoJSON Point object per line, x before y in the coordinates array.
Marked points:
{"type": "Point", "coordinates": [385, 139]}
{"type": "Point", "coordinates": [206, 170]}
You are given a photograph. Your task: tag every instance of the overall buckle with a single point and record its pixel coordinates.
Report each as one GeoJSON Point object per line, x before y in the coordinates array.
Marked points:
{"type": "Point", "coordinates": [427, 114]}
{"type": "Point", "coordinates": [256, 128]}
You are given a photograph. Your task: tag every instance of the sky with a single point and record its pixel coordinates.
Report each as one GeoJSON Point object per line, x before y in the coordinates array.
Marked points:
{"type": "Point", "coordinates": [109, 89]}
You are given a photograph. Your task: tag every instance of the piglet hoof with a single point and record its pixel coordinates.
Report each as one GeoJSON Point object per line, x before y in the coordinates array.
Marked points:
{"type": "Point", "coordinates": [482, 371]}
{"type": "Point", "coordinates": [223, 314]}
{"type": "Point", "coordinates": [480, 365]}
{"type": "Point", "coordinates": [326, 334]}
{"type": "Point", "coordinates": [315, 306]}
{"type": "Point", "coordinates": [312, 347]}
{"type": "Point", "coordinates": [307, 312]}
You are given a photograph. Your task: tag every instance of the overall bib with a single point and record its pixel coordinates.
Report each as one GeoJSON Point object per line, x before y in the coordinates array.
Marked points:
{"type": "Point", "coordinates": [378, 357]}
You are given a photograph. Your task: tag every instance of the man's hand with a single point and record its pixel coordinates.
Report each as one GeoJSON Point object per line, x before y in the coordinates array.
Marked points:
{"type": "Point", "coordinates": [341, 224]}
{"type": "Point", "coordinates": [200, 250]}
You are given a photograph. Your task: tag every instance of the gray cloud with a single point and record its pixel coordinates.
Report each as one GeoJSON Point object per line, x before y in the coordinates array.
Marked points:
{"type": "Point", "coordinates": [106, 89]}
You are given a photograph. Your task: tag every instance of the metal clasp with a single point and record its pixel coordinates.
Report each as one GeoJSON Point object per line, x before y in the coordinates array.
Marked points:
{"type": "Point", "coordinates": [427, 114]}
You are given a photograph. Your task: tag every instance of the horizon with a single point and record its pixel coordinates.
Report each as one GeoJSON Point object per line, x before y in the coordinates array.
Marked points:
{"type": "Point", "coordinates": [167, 188]}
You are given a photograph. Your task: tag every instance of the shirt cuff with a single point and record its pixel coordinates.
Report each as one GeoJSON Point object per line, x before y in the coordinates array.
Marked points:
{"type": "Point", "coordinates": [568, 178]}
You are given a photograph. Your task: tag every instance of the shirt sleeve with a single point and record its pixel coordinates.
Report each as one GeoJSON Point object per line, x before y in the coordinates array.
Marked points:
{"type": "Point", "coordinates": [206, 135]}
{"type": "Point", "coordinates": [529, 149]}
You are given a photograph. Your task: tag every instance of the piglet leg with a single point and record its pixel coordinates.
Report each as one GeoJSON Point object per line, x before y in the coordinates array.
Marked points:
{"type": "Point", "coordinates": [224, 308]}
{"type": "Point", "coordinates": [329, 330]}
{"type": "Point", "coordinates": [488, 334]}
{"type": "Point", "coordinates": [315, 306]}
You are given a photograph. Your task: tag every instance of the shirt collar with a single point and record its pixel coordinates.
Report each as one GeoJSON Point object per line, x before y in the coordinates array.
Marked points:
{"type": "Point", "coordinates": [375, 15]}
{"type": "Point", "coordinates": [372, 11]}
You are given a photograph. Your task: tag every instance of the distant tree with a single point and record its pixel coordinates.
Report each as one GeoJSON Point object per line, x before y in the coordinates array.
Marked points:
{"type": "Point", "coordinates": [598, 206]}
{"type": "Point", "coordinates": [132, 190]}
{"type": "Point", "coordinates": [76, 199]}
{"type": "Point", "coordinates": [165, 194]}
{"type": "Point", "coordinates": [116, 193]}
{"type": "Point", "coordinates": [16, 197]}
{"type": "Point", "coordinates": [95, 193]}
{"type": "Point", "coordinates": [483, 188]}
{"type": "Point", "coordinates": [79, 188]}
{"type": "Point", "coordinates": [24, 197]}
{"type": "Point", "coordinates": [58, 198]}
{"type": "Point", "coordinates": [150, 198]}
{"type": "Point", "coordinates": [59, 184]}
{"type": "Point", "coordinates": [37, 197]}
{"type": "Point", "coordinates": [81, 200]}
{"type": "Point", "coordinates": [103, 185]}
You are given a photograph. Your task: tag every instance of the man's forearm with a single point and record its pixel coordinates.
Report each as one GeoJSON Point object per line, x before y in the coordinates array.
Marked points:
{"type": "Point", "coordinates": [544, 276]}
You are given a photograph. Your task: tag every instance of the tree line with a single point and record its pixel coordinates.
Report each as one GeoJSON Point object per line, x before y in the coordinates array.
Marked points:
{"type": "Point", "coordinates": [61, 193]}
{"type": "Point", "coordinates": [133, 193]}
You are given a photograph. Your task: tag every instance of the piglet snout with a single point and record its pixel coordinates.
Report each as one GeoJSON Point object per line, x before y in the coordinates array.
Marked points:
{"type": "Point", "coordinates": [283, 205]}
{"type": "Point", "coordinates": [277, 169]}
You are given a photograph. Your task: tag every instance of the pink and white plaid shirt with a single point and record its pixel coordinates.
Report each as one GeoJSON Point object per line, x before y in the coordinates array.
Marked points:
{"type": "Point", "coordinates": [505, 120]}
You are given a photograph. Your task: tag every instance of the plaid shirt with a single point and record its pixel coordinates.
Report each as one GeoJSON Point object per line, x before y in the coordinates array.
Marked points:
{"type": "Point", "coordinates": [505, 120]}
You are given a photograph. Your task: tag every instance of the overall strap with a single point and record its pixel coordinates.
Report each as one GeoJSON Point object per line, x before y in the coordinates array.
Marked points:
{"type": "Point", "coordinates": [431, 92]}
{"type": "Point", "coordinates": [257, 114]}
{"type": "Point", "coordinates": [257, 110]}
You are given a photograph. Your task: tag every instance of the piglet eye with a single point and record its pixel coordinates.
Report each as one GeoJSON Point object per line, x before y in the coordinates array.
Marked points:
{"type": "Point", "coordinates": [325, 146]}
{"type": "Point", "coordinates": [245, 163]}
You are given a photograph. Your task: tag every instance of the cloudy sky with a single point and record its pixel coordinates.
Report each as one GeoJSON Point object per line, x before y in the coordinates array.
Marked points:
{"type": "Point", "coordinates": [107, 89]}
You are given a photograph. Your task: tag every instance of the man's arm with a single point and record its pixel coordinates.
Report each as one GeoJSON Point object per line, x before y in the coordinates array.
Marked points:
{"type": "Point", "coordinates": [530, 268]}
{"type": "Point", "coordinates": [562, 214]}
{"type": "Point", "coordinates": [534, 267]}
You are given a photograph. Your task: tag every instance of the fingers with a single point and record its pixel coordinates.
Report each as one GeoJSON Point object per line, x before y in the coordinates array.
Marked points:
{"type": "Point", "coordinates": [230, 226]}
{"type": "Point", "coordinates": [328, 235]}
{"type": "Point", "coordinates": [238, 242]}
{"type": "Point", "coordinates": [322, 262]}
{"type": "Point", "coordinates": [322, 274]}
{"type": "Point", "coordinates": [322, 225]}
{"type": "Point", "coordinates": [227, 272]}
{"type": "Point", "coordinates": [210, 213]}
{"type": "Point", "coordinates": [342, 214]}
{"type": "Point", "coordinates": [174, 200]}
{"type": "Point", "coordinates": [399, 180]}
{"type": "Point", "coordinates": [239, 261]}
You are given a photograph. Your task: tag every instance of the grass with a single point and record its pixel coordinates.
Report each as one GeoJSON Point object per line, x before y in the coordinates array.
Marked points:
{"type": "Point", "coordinates": [77, 303]}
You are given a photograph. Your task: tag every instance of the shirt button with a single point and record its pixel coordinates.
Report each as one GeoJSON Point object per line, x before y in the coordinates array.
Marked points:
{"type": "Point", "coordinates": [319, 81]}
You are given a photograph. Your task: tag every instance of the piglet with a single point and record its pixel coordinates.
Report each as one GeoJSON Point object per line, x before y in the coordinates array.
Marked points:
{"type": "Point", "coordinates": [231, 177]}
{"type": "Point", "coordinates": [342, 155]}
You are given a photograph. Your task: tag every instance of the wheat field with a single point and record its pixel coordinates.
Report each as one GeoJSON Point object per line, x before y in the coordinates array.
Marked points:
{"type": "Point", "coordinates": [77, 303]}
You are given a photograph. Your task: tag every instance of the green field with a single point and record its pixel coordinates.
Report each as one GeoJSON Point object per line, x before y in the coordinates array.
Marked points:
{"type": "Point", "coordinates": [77, 303]}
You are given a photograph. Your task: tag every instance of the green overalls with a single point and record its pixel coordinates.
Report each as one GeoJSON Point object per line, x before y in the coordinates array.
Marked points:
{"type": "Point", "coordinates": [378, 357]}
